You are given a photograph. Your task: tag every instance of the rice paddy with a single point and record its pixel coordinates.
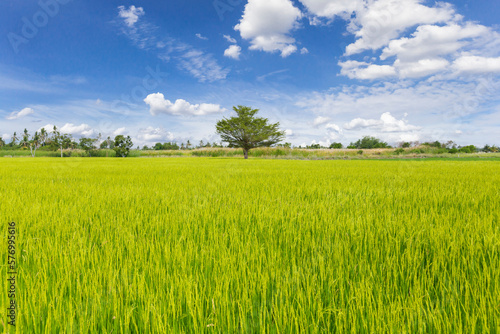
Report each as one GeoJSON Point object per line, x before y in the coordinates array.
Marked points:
{"type": "Point", "coordinates": [201, 245]}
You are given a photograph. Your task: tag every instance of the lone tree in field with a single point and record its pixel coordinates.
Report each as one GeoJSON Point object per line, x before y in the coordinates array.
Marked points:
{"type": "Point", "coordinates": [247, 131]}
{"type": "Point", "coordinates": [122, 145]}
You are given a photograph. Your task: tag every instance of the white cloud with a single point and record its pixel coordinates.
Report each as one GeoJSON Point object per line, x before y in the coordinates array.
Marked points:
{"type": "Point", "coordinates": [331, 8]}
{"type": "Point", "coordinates": [265, 76]}
{"type": "Point", "coordinates": [289, 133]}
{"type": "Point", "coordinates": [151, 134]}
{"type": "Point", "coordinates": [320, 120]}
{"type": "Point", "coordinates": [6, 137]}
{"type": "Point", "coordinates": [202, 66]}
{"type": "Point", "coordinates": [361, 70]}
{"type": "Point", "coordinates": [230, 39]}
{"type": "Point", "coordinates": [334, 132]}
{"type": "Point", "coordinates": [130, 15]}
{"type": "Point", "coordinates": [476, 65]}
{"type": "Point", "coordinates": [267, 24]}
{"type": "Point", "coordinates": [233, 51]}
{"type": "Point", "coordinates": [378, 22]}
{"type": "Point", "coordinates": [79, 130]}
{"type": "Point", "coordinates": [144, 35]}
{"type": "Point", "coordinates": [48, 128]}
{"type": "Point", "coordinates": [19, 114]}
{"type": "Point", "coordinates": [421, 68]}
{"type": "Point", "coordinates": [159, 105]}
{"type": "Point", "coordinates": [304, 51]}
{"type": "Point", "coordinates": [386, 123]}
{"type": "Point", "coordinates": [200, 36]}
{"type": "Point", "coordinates": [119, 131]}
{"type": "Point", "coordinates": [437, 103]}
{"type": "Point", "coordinates": [431, 41]}
{"type": "Point", "coordinates": [334, 127]}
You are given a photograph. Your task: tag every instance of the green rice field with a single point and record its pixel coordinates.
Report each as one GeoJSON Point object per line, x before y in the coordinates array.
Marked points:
{"type": "Point", "coordinates": [223, 245]}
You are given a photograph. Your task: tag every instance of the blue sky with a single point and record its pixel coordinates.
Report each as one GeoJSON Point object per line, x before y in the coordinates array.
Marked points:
{"type": "Point", "coordinates": [327, 70]}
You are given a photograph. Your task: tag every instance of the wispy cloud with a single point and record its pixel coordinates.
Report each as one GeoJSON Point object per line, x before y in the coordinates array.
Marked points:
{"type": "Point", "coordinates": [200, 36]}
{"type": "Point", "coordinates": [144, 34]}
{"type": "Point", "coordinates": [20, 114]}
{"type": "Point", "coordinates": [265, 76]}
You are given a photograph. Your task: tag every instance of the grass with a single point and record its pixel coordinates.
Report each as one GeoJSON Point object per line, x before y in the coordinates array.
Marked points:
{"type": "Point", "coordinates": [270, 152]}
{"type": "Point", "coordinates": [271, 246]}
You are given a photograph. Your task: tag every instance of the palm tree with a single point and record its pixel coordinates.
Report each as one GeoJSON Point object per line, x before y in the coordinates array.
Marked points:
{"type": "Point", "coordinates": [14, 138]}
{"type": "Point", "coordinates": [26, 138]}
{"type": "Point", "coordinates": [43, 136]}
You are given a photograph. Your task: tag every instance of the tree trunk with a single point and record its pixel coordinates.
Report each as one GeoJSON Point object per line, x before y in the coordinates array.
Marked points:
{"type": "Point", "coordinates": [245, 153]}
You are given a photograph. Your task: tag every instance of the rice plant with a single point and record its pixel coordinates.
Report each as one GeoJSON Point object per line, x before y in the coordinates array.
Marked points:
{"type": "Point", "coordinates": [218, 245]}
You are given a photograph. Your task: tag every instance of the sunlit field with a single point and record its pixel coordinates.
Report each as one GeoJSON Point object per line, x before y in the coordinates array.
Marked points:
{"type": "Point", "coordinates": [210, 245]}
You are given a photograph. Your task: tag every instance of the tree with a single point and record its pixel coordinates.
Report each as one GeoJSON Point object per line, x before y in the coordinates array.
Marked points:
{"type": "Point", "coordinates": [2, 142]}
{"type": "Point", "coordinates": [26, 138]}
{"type": "Point", "coordinates": [88, 144]}
{"type": "Point", "coordinates": [336, 145]}
{"type": "Point", "coordinates": [14, 138]}
{"type": "Point", "coordinates": [369, 142]}
{"type": "Point", "coordinates": [35, 143]}
{"type": "Point", "coordinates": [247, 131]}
{"type": "Point", "coordinates": [42, 136]}
{"type": "Point", "coordinates": [122, 145]}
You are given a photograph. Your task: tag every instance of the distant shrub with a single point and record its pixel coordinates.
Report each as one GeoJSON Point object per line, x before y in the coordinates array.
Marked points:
{"type": "Point", "coordinates": [369, 142]}
{"type": "Point", "coordinates": [399, 151]}
{"type": "Point", "coordinates": [336, 145]}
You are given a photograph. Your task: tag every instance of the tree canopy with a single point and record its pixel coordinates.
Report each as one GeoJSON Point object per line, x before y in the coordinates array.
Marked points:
{"type": "Point", "coordinates": [247, 131]}
{"type": "Point", "coordinates": [122, 145]}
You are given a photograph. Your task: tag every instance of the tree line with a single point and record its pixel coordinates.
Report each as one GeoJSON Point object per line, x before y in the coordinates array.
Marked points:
{"type": "Point", "coordinates": [55, 140]}
{"type": "Point", "coordinates": [369, 142]}
{"type": "Point", "coordinates": [245, 131]}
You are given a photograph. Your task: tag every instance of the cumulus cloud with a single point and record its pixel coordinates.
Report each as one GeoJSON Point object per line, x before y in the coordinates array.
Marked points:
{"type": "Point", "coordinates": [386, 123]}
{"type": "Point", "coordinates": [151, 134]}
{"type": "Point", "coordinates": [19, 114]}
{"type": "Point", "coordinates": [47, 127]}
{"type": "Point", "coordinates": [130, 15]}
{"type": "Point", "coordinates": [289, 133]}
{"type": "Point", "coordinates": [119, 131]}
{"type": "Point", "coordinates": [420, 68]}
{"type": "Point", "coordinates": [331, 8]}
{"type": "Point", "coordinates": [476, 65]}
{"type": "Point", "coordinates": [304, 51]}
{"type": "Point", "coordinates": [378, 22]}
{"type": "Point", "coordinates": [233, 51]}
{"type": "Point", "coordinates": [200, 36]}
{"type": "Point", "coordinates": [77, 130]}
{"type": "Point", "coordinates": [320, 120]}
{"type": "Point", "coordinates": [159, 105]}
{"type": "Point", "coordinates": [267, 24]}
{"type": "Point", "coordinates": [333, 127]}
{"type": "Point", "coordinates": [431, 41]}
{"type": "Point", "coordinates": [361, 70]}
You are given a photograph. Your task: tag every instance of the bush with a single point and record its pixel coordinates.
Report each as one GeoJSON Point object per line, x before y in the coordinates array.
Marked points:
{"type": "Point", "coordinates": [336, 145]}
{"type": "Point", "coordinates": [369, 142]}
{"type": "Point", "coordinates": [399, 151]}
